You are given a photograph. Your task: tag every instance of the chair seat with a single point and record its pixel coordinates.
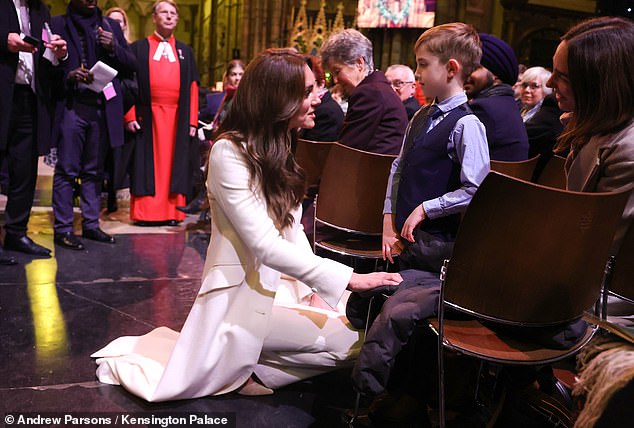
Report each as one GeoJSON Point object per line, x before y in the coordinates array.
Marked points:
{"type": "Point", "coordinates": [473, 338]}
{"type": "Point", "coordinates": [369, 247]}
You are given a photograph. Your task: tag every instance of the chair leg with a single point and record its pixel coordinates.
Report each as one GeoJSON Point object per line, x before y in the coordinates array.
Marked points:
{"type": "Point", "coordinates": [441, 384]}
{"type": "Point", "coordinates": [357, 400]}
{"type": "Point", "coordinates": [479, 378]}
{"type": "Point", "coordinates": [355, 413]}
{"type": "Point", "coordinates": [565, 394]}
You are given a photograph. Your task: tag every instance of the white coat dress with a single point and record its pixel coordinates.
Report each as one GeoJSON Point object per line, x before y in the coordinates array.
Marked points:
{"type": "Point", "coordinates": [250, 314]}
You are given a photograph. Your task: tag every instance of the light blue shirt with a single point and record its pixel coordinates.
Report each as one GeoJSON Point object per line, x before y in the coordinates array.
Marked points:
{"type": "Point", "coordinates": [467, 145]}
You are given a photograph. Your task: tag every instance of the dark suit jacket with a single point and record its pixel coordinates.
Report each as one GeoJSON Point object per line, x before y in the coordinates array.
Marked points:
{"type": "Point", "coordinates": [376, 117]}
{"type": "Point", "coordinates": [411, 107]}
{"type": "Point", "coordinates": [328, 121]}
{"type": "Point", "coordinates": [499, 112]}
{"type": "Point", "coordinates": [142, 173]}
{"type": "Point", "coordinates": [38, 14]}
{"type": "Point", "coordinates": [544, 128]}
{"type": "Point", "coordinates": [121, 59]}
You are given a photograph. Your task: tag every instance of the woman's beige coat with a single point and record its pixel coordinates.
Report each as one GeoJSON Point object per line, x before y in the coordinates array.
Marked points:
{"type": "Point", "coordinates": [606, 164]}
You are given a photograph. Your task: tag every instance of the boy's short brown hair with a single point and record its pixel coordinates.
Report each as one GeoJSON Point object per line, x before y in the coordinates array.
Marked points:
{"type": "Point", "coordinates": [455, 40]}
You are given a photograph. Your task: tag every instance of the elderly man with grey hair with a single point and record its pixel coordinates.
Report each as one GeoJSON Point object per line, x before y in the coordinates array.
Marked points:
{"type": "Point", "coordinates": [376, 118]}
{"type": "Point", "coordinates": [402, 79]}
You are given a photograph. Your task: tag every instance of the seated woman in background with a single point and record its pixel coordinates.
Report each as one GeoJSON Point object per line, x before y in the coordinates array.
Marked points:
{"type": "Point", "coordinates": [540, 114]}
{"type": "Point", "coordinates": [269, 311]}
{"type": "Point", "coordinates": [533, 90]}
{"type": "Point", "coordinates": [328, 114]}
{"type": "Point", "coordinates": [376, 118]}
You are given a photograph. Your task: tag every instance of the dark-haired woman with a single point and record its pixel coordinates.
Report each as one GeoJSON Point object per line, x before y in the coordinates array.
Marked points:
{"type": "Point", "coordinates": [593, 83]}
{"type": "Point", "coordinates": [269, 312]}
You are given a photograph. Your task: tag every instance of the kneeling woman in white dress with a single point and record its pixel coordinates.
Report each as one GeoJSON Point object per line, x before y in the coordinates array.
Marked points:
{"type": "Point", "coordinates": [269, 312]}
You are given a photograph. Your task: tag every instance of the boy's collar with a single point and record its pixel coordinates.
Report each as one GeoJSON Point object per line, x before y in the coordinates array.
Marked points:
{"type": "Point", "coordinates": [451, 102]}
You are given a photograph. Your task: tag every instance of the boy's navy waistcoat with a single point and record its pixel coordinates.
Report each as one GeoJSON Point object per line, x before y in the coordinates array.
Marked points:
{"type": "Point", "coordinates": [427, 171]}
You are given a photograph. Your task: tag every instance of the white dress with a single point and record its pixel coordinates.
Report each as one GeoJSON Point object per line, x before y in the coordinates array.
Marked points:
{"type": "Point", "coordinates": [251, 313]}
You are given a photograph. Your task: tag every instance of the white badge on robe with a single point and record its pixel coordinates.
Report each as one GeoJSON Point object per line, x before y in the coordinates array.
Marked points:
{"type": "Point", "coordinates": [164, 50]}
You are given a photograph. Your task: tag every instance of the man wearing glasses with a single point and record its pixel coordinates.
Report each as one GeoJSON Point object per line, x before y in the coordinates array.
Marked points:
{"type": "Point", "coordinates": [401, 77]}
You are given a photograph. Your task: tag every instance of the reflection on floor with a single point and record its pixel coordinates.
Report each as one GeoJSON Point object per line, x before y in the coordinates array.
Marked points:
{"type": "Point", "coordinates": [55, 312]}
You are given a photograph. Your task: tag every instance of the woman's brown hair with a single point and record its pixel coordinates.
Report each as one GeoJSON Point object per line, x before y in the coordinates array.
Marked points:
{"type": "Point", "coordinates": [270, 93]}
{"type": "Point", "coordinates": [600, 70]}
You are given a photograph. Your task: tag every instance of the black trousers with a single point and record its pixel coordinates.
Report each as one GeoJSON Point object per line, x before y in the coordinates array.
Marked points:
{"type": "Point", "coordinates": [21, 156]}
{"type": "Point", "coordinates": [81, 152]}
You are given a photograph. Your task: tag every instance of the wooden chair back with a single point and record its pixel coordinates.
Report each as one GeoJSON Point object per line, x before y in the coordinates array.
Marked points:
{"type": "Point", "coordinates": [352, 190]}
{"type": "Point", "coordinates": [311, 156]}
{"type": "Point", "coordinates": [553, 174]}
{"type": "Point", "coordinates": [527, 254]}
{"type": "Point", "coordinates": [519, 169]}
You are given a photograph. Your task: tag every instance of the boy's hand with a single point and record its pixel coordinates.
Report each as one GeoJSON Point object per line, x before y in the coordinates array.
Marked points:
{"type": "Point", "coordinates": [391, 239]}
{"type": "Point", "coordinates": [414, 219]}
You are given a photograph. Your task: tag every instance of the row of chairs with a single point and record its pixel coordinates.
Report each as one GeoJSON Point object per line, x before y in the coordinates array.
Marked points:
{"type": "Point", "coordinates": [551, 174]}
{"type": "Point", "coordinates": [350, 199]}
{"type": "Point", "coordinates": [527, 255]}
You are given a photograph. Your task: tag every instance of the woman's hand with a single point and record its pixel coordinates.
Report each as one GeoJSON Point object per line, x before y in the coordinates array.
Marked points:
{"type": "Point", "coordinates": [368, 281]}
{"type": "Point", "coordinates": [414, 219]}
{"type": "Point", "coordinates": [391, 239]}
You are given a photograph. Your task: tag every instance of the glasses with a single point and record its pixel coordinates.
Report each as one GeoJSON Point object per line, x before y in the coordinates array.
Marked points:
{"type": "Point", "coordinates": [534, 86]}
{"type": "Point", "coordinates": [398, 84]}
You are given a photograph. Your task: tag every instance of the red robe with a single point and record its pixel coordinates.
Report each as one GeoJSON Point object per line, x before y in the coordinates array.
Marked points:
{"type": "Point", "coordinates": [164, 89]}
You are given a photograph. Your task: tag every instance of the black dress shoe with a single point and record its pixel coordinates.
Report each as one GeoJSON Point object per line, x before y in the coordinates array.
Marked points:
{"type": "Point", "coordinates": [24, 244]}
{"type": "Point", "coordinates": [98, 235]}
{"type": "Point", "coordinates": [6, 260]}
{"type": "Point", "coordinates": [196, 204]}
{"type": "Point", "coordinates": [145, 223]}
{"type": "Point", "coordinates": [68, 240]}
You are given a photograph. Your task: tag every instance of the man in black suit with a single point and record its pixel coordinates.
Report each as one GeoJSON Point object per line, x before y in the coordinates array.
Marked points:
{"type": "Point", "coordinates": [88, 120]}
{"type": "Point", "coordinates": [26, 65]}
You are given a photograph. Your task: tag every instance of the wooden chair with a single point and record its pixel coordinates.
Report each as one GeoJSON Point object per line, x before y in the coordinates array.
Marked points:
{"type": "Point", "coordinates": [553, 174]}
{"type": "Point", "coordinates": [519, 169]}
{"type": "Point", "coordinates": [350, 201]}
{"type": "Point", "coordinates": [311, 156]}
{"type": "Point", "coordinates": [515, 266]}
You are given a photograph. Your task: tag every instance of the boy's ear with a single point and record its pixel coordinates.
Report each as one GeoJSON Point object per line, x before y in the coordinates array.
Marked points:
{"type": "Point", "coordinates": [453, 67]}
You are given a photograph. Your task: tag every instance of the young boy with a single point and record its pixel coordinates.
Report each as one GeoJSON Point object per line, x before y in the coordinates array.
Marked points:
{"type": "Point", "coordinates": [443, 160]}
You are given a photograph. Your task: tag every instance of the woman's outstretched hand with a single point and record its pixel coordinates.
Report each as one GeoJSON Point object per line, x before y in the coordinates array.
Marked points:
{"type": "Point", "coordinates": [368, 281]}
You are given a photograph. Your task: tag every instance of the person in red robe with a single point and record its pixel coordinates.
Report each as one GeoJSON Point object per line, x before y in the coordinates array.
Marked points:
{"type": "Point", "coordinates": [164, 120]}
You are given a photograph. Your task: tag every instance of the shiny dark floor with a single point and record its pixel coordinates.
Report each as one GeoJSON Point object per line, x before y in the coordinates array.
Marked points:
{"type": "Point", "coordinates": [55, 312]}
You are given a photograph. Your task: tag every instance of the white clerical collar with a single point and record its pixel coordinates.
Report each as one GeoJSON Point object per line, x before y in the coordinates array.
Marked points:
{"type": "Point", "coordinates": [164, 50]}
